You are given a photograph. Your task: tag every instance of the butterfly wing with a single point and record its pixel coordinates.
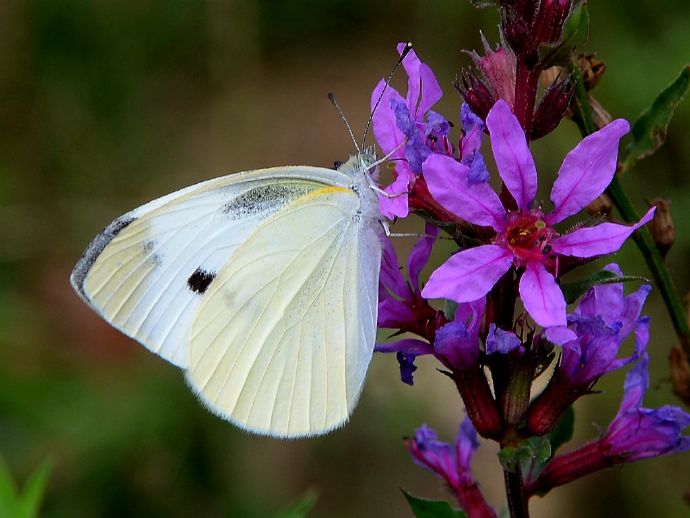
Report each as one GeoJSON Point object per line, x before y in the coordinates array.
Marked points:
{"type": "Point", "coordinates": [147, 272]}
{"type": "Point", "coordinates": [282, 341]}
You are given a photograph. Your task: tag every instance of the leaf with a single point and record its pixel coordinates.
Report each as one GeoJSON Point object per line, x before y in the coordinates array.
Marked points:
{"type": "Point", "coordinates": [563, 431]}
{"type": "Point", "coordinates": [650, 129]}
{"type": "Point", "coordinates": [8, 491]}
{"type": "Point", "coordinates": [423, 508]}
{"type": "Point", "coordinates": [30, 500]}
{"type": "Point", "coordinates": [300, 508]}
{"type": "Point", "coordinates": [22, 504]}
{"type": "Point", "coordinates": [575, 34]}
{"type": "Point", "coordinates": [575, 290]}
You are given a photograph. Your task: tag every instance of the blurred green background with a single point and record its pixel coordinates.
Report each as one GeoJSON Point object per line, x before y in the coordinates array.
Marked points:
{"type": "Point", "coordinates": [105, 105]}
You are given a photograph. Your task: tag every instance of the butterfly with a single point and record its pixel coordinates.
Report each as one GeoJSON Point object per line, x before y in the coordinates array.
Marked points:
{"type": "Point", "coordinates": [262, 286]}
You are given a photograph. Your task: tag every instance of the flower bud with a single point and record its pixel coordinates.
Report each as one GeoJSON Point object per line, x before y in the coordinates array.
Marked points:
{"type": "Point", "coordinates": [661, 227]}
{"type": "Point", "coordinates": [548, 24]}
{"type": "Point", "coordinates": [475, 92]}
{"type": "Point", "coordinates": [552, 108]}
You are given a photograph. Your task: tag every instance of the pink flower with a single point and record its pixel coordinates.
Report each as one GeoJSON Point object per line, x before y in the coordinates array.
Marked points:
{"type": "Point", "coordinates": [407, 128]}
{"type": "Point", "coordinates": [525, 236]}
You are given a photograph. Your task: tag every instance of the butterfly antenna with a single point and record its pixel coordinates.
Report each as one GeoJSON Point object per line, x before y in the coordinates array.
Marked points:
{"type": "Point", "coordinates": [406, 50]}
{"type": "Point", "coordinates": [331, 97]}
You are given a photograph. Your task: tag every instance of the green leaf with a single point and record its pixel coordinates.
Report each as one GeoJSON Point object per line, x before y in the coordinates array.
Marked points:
{"type": "Point", "coordinates": [8, 491]}
{"type": "Point", "coordinates": [575, 290]}
{"type": "Point", "coordinates": [575, 34]}
{"type": "Point", "coordinates": [301, 508]}
{"type": "Point", "coordinates": [32, 496]}
{"type": "Point", "coordinates": [423, 508]}
{"type": "Point", "coordinates": [649, 131]}
{"type": "Point", "coordinates": [24, 504]}
{"type": "Point", "coordinates": [563, 431]}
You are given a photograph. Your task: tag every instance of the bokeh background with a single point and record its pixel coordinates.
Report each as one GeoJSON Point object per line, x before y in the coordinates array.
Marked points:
{"type": "Point", "coordinates": [105, 105]}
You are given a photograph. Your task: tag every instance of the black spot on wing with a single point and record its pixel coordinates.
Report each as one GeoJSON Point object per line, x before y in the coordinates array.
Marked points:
{"type": "Point", "coordinates": [200, 280]}
{"type": "Point", "coordinates": [81, 270]}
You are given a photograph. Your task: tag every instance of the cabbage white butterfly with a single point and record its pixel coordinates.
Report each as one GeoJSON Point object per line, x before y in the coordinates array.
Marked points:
{"type": "Point", "coordinates": [262, 286]}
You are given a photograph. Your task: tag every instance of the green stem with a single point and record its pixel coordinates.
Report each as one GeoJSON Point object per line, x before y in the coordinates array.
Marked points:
{"type": "Point", "coordinates": [642, 237]}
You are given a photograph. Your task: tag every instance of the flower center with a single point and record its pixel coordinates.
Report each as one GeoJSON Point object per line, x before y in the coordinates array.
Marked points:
{"type": "Point", "coordinates": [529, 237]}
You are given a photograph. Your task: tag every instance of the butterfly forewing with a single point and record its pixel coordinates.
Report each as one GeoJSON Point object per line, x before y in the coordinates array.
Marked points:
{"type": "Point", "coordinates": [148, 271]}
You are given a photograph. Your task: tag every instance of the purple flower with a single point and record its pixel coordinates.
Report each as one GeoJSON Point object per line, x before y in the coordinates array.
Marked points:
{"type": "Point", "coordinates": [452, 463]}
{"type": "Point", "coordinates": [591, 342]}
{"type": "Point", "coordinates": [525, 236]}
{"type": "Point", "coordinates": [638, 433]}
{"type": "Point", "coordinates": [407, 128]}
{"type": "Point", "coordinates": [401, 305]}
{"type": "Point", "coordinates": [457, 343]}
{"type": "Point", "coordinates": [602, 321]}
{"type": "Point", "coordinates": [635, 433]}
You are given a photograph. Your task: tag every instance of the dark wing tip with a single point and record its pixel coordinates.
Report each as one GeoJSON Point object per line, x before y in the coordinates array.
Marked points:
{"type": "Point", "coordinates": [95, 248]}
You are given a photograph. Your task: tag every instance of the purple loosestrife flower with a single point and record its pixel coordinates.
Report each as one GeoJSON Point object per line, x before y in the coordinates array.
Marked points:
{"type": "Point", "coordinates": [407, 128]}
{"type": "Point", "coordinates": [452, 464]}
{"type": "Point", "coordinates": [636, 433]}
{"type": "Point", "coordinates": [525, 237]}
{"type": "Point", "coordinates": [402, 307]}
{"type": "Point", "coordinates": [604, 318]}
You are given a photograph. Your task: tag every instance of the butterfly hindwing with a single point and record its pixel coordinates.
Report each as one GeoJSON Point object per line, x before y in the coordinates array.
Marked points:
{"type": "Point", "coordinates": [286, 331]}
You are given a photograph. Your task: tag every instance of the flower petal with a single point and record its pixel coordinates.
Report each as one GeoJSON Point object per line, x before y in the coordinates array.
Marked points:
{"type": "Point", "coordinates": [513, 157]}
{"type": "Point", "coordinates": [500, 341]}
{"type": "Point", "coordinates": [477, 203]}
{"type": "Point", "coordinates": [420, 254]}
{"type": "Point", "coordinates": [384, 124]}
{"type": "Point", "coordinates": [466, 443]}
{"type": "Point", "coordinates": [469, 275]}
{"type": "Point", "coordinates": [394, 313]}
{"type": "Point", "coordinates": [396, 205]}
{"type": "Point", "coordinates": [599, 240]}
{"type": "Point", "coordinates": [456, 347]}
{"type": "Point", "coordinates": [566, 338]}
{"type": "Point", "coordinates": [542, 297]}
{"type": "Point", "coordinates": [586, 171]}
{"type": "Point", "coordinates": [635, 386]}
{"type": "Point", "coordinates": [409, 346]}
{"type": "Point", "coordinates": [411, 64]}
{"type": "Point", "coordinates": [431, 91]}
{"type": "Point", "coordinates": [473, 129]}
{"type": "Point", "coordinates": [391, 278]}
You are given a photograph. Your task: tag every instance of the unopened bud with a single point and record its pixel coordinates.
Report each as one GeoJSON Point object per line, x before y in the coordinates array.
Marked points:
{"type": "Point", "coordinates": [517, 30]}
{"type": "Point", "coordinates": [602, 205]}
{"type": "Point", "coordinates": [476, 94]}
{"type": "Point", "coordinates": [552, 108]}
{"type": "Point", "coordinates": [498, 68]}
{"type": "Point", "coordinates": [680, 374]}
{"type": "Point", "coordinates": [548, 23]}
{"type": "Point", "coordinates": [662, 228]}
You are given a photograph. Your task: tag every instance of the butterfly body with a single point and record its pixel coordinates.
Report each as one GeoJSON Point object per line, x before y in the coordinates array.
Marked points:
{"type": "Point", "coordinates": [262, 285]}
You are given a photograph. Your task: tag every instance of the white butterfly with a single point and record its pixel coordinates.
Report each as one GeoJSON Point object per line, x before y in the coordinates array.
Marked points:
{"type": "Point", "coordinates": [262, 285]}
